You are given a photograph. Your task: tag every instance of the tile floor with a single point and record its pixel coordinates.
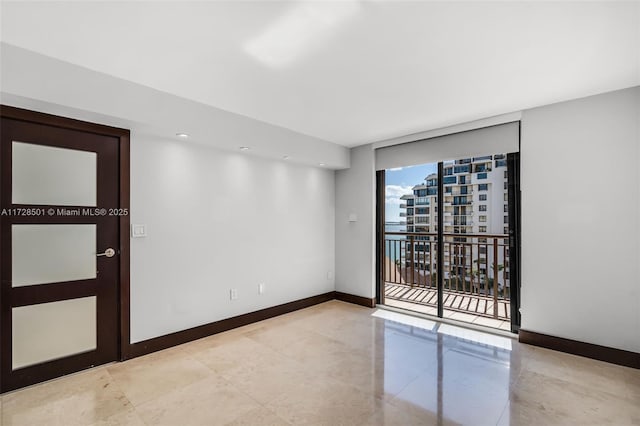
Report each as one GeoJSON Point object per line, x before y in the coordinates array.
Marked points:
{"type": "Point", "coordinates": [339, 364]}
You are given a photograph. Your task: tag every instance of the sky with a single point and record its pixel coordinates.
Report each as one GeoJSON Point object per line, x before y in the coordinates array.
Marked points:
{"type": "Point", "coordinates": [399, 181]}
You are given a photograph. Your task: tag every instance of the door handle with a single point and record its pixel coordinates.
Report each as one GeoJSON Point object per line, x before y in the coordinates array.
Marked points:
{"type": "Point", "coordinates": [108, 253]}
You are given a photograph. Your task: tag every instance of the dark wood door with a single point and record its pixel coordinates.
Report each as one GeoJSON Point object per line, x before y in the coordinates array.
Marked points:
{"type": "Point", "coordinates": [59, 250]}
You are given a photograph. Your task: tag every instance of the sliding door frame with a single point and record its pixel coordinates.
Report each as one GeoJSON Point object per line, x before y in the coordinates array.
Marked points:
{"type": "Point", "coordinates": [440, 242]}
{"type": "Point", "coordinates": [380, 219]}
{"type": "Point", "coordinates": [515, 247]}
{"type": "Point", "coordinates": [514, 207]}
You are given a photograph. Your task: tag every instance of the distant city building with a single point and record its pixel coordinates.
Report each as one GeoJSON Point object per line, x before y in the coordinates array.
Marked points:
{"type": "Point", "coordinates": [475, 203]}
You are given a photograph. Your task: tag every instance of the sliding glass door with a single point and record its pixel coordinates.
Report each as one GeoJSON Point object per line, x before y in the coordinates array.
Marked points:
{"type": "Point", "coordinates": [448, 239]}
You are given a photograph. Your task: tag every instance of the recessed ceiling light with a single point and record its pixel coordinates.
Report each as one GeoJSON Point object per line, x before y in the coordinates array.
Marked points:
{"type": "Point", "coordinates": [321, 164]}
{"type": "Point", "coordinates": [244, 148]}
{"type": "Point", "coordinates": [182, 135]}
{"type": "Point", "coordinates": [285, 157]}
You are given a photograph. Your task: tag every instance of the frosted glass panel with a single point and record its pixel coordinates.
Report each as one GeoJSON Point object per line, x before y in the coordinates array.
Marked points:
{"type": "Point", "coordinates": [51, 253]}
{"type": "Point", "coordinates": [53, 330]}
{"type": "Point", "coordinates": [58, 176]}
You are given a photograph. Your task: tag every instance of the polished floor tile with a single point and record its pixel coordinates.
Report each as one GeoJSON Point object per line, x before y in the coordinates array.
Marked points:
{"type": "Point", "coordinates": [200, 403]}
{"type": "Point", "coordinates": [83, 398]}
{"type": "Point", "coordinates": [339, 364]}
{"type": "Point", "coordinates": [154, 375]}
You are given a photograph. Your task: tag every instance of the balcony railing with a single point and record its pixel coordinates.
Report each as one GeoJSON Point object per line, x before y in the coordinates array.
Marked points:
{"type": "Point", "coordinates": [467, 192]}
{"type": "Point", "coordinates": [476, 272]}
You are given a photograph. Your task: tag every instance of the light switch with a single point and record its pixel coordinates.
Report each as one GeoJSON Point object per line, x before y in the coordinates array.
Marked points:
{"type": "Point", "coordinates": [138, 230]}
{"type": "Point", "coordinates": [353, 217]}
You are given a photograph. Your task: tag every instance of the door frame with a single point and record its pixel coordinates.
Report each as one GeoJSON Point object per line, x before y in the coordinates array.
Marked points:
{"type": "Point", "coordinates": [515, 238]}
{"type": "Point", "coordinates": [124, 195]}
{"type": "Point", "coordinates": [515, 244]}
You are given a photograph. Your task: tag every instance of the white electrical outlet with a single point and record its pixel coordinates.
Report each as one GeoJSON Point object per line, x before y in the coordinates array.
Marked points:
{"type": "Point", "coordinates": [330, 275]}
{"type": "Point", "coordinates": [261, 288]}
{"type": "Point", "coordinates": [233, 294]}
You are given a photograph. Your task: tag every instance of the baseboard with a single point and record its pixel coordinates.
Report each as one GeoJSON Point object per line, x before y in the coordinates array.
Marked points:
{"type": "Point", "coordinates": [358, 300]}
{"type": "Point", "coordinates": [163, 342]}
{"type": "Point", "coordinates": [589, 350]}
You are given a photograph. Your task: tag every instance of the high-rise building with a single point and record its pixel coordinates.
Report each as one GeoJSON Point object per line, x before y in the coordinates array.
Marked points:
{"type": "Point", "coordinates": [476, 204]}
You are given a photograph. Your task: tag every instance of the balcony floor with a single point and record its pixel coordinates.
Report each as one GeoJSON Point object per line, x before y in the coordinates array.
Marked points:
{"type": "Point", "coordinates": [462, 307]}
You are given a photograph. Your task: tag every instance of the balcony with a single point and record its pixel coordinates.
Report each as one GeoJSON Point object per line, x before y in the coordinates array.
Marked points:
{"type": "Point", "coordinates": [403, 205]}
{"type": "Point", "coordinates": [458, 221]}
{"type": "Point", "coordinates": [475, 276]}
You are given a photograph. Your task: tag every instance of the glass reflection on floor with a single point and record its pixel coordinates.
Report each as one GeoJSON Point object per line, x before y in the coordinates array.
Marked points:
{"type": "Point", "coordinates": [462, 375]}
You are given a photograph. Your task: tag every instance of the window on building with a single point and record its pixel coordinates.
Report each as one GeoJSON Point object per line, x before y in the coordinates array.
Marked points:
{"type": "Point", "coordinates": [506, 175]}
{"type": "Point", "coordinates": [506, 208]}
{"type": "Point", "coordinates": [483, 187]}
{"type": "Point", "coordinates": [482, 250]}
{"type": "Point", "coordinates": [506, 197]}
{"type": "Point", "coordinates": [483, 197]}
{"type": "Point", "coordinates": [505, 185]}
{"type": "Point", "coordinates": [506, 231]}
{"type": "Point", "coordinates": [482, 229]}
{"type": "Point", "coordinates": [482, 175]}
{"type": "Point", "coordinates": [483, 240]}
{"type": "Point", "coordinates": [506, 219]}
{"type": "Point", "coordinates": [482, 207]}
{"type": "Point", "coordinates": [482, 218]}
{"type": "Point", "coordinates": [457, 201]}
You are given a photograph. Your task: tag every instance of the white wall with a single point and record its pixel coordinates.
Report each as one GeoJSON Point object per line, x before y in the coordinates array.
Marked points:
{"type": "Point", "coordinates": [355, 248]}
{"type": "Point", "coordinates": [218, 220]}
{"type": "Point", "coordinates": [580, 184]}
